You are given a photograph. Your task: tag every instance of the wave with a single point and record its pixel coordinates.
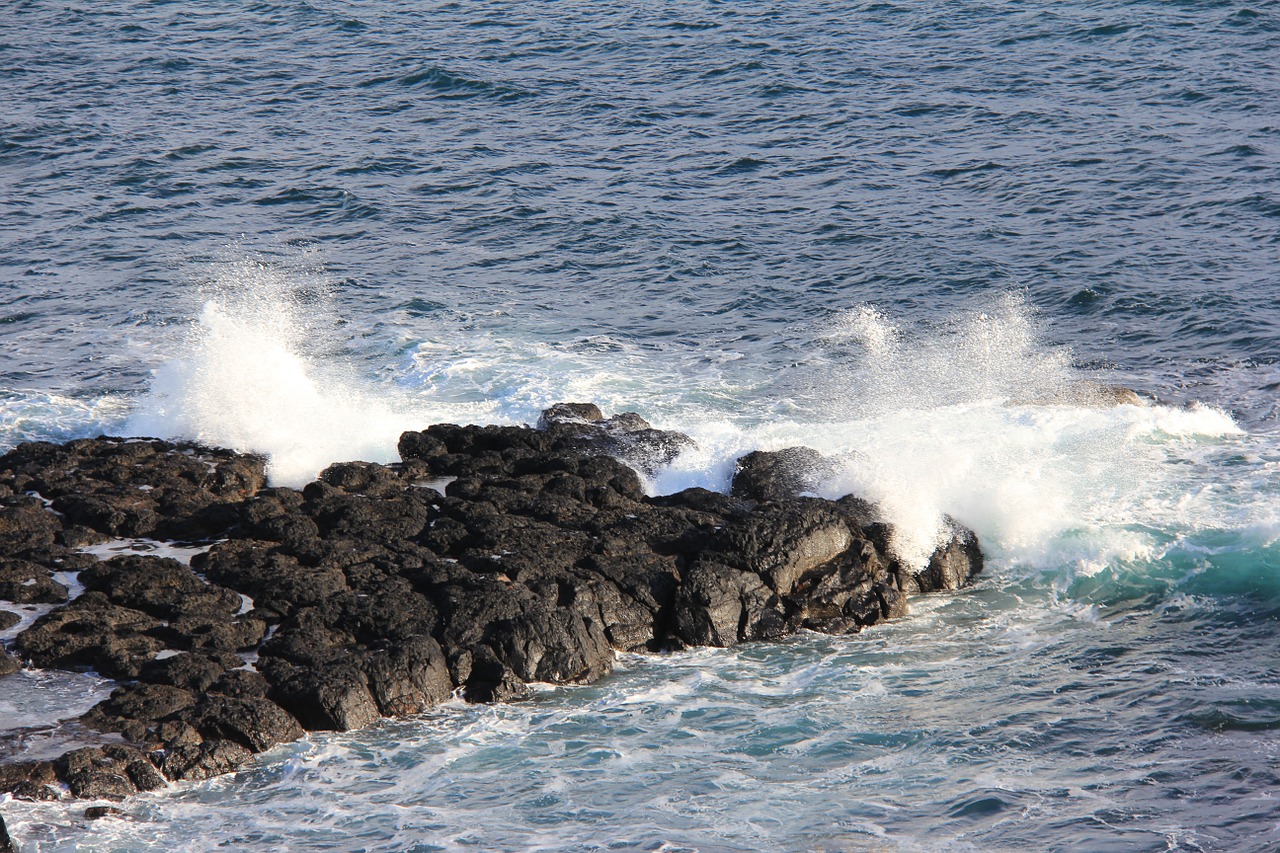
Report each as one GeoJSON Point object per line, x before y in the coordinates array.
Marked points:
{"type": "Point", "coordinates": [975, 417]}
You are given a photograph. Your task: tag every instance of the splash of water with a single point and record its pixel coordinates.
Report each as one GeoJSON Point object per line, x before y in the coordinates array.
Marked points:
{"type": "Point", "coordinates": [979, 419]}
{"type": "Point", "coordinates": [247, 381]}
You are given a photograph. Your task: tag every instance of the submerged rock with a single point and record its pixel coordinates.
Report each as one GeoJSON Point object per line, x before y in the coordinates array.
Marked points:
{"type": "Point", "coordinates": [367, 595]}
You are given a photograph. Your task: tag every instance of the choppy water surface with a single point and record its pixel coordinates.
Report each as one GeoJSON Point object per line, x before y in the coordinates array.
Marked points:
{"type": "Point", "coordinates": [906, 231]}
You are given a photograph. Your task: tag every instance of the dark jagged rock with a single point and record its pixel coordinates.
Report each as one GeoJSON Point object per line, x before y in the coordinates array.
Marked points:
{"type": "Point", "coordinates": [24, 582]}
{"type": "Point", "coordinates": [29, 780]}
{"type": "Point", "coordinates": [91, 632]}
{"type": "Point", "coordinates": [107, 773]}
{"type": "Point", "coordinates": [8, 664]}
{"type": "Point", "coordinates": [532, 555]}
{"type": "Point", "coordinates": [195, 762]}
{"type": "Point", "coordinates": [777, 475]}
{"type": "Point", "coordinates": [582, 428]}
{"type": "Point", "coordinates": [8, 619]}
{"type": "Point", "coordinates": [159, 586]}
{"type": "Point", "coordinates": [252, 722]}
{"type": "Point", "coordinates": [134, 710]}
{"type": "Point", "coordinates": [24, 524]}
{"type": "Point", "coordinates": [134, 487]}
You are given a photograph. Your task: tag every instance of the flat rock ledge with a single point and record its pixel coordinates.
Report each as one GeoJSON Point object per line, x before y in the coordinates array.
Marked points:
{"type": "Point", "coordinates": [489, 558]}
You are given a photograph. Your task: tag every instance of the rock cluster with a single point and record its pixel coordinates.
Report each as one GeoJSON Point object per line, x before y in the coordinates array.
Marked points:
{"type": "Point", "coordinates": [489, 558]}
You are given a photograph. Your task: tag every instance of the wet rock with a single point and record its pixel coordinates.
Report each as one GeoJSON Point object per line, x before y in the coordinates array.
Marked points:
{"type": "Point", "coordinates": [26, 524]}
{"type": "Point", "coordinates": [136, 710]}
{"type": "Point", "coordinates": [8, 619]}
{"type": "Point", "coordinates": [275, 579]}
{"type": "Point", "coordinates": [104, 773]}
{"type": "Point", "coordinates": [116, 514]}
{"type": "Point", "coordinates": [35, 792]}
{"type": "Point", "coordinates": [330, 696]}
{"type": "Point", "coordinates": [213, 634]}
{"type": "Point", "coordinates": [721, 606]}
{"type": "Point", "coordinates": [562, 414]}
{"type": "Point", "coordinates": [485, 678]}
{"type": "Point", "coordinates": [205, 760]}
{"type": "Point", "coordinates": [582, 428]}
{"type": "Point", "coordinates": [195, 672]}
{"type": "Point", "coordinates": [99, 812]}
{"type": "Point", "coordinates": [133, 487]}
{"type": "Point", "coordinates": [951, 566]}
{"type": "Point", "coordinates": [362, 478]}
{"type": "Point", "coordinates": [783, 542]}
{"type": "Point", "coordinates": [24, 582]}
{"type": "Point", "coordinates": [252, 722]}
{"type": "Point", "coordinates": [408, 677]}
{"type": "Point", "coordinates": [28, 780]}
{"type": "Point", "coordinates": [8, 664]}
{"type": "Point", "coordinates": [242, 684]}
{"type": "Point", "coordinates": [373, 597]}
{"type": "Point", "coordinates": [160, 586]}
{"type": "Point", "coordinates": [91, 632]}
{"type": "Point", "coordinates": [780, 474]}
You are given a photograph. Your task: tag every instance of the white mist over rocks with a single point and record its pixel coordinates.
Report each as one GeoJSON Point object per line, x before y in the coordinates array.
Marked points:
{"type": "Point", "coordinates": [980, 420]}
{"type": "Point", "coordinates": [245, 381]}
{"type": "Point", "coordinates": [975, 418]}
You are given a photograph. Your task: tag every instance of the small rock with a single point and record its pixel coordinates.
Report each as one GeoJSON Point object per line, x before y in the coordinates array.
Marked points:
{"type": "Point", "coordinates": [99, 812]}
{"type": "Point", "coordinates": [780, 474]}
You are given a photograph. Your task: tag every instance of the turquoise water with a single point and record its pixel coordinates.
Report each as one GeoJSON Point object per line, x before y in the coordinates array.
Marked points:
{"type": "Point", "coordinates": [905, 232]}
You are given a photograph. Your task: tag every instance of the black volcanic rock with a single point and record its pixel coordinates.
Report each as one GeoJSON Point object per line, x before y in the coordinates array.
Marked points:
{"type": "Point", "coordinates": [25, 582]}
{"type": "Point", "coordinates": [777, 475]}
{"type": "Point", "coordinates": [370, 593]}
{"type": "Point", "coordinates": [195, 762]}
{"type": "Point", "coordinates": [91, 632]}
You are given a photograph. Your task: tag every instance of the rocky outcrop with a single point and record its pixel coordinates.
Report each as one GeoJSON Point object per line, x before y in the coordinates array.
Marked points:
{"type": "Point", "coordinates": [489, 558]}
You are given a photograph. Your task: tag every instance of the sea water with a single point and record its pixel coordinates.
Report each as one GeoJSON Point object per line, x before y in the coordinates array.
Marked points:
{"type": "Point", "coordinates": [915, 236]}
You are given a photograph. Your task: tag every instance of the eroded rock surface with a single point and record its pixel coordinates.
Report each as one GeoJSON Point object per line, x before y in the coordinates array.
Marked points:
{"type": "Point", "coordinates": [372, 593]}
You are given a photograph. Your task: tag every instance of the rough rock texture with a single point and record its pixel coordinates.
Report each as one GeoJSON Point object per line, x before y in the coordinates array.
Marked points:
{"type": "Point", "coordinates": [371, 593]}
{"type": "Point", "coordinates": [764, 475]}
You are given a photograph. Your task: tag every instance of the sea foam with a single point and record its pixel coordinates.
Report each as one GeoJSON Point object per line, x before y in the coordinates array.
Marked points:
{"type": "Point", "coordinates": [249, 379]}
{"type": "Point", "coordinates": [976, 418]}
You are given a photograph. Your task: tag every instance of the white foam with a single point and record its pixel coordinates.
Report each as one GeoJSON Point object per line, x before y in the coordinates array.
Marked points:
{"type": "Point", "coordinates": [43, 416]}
{"type": "Point", "coordinates": [979, 420]}
{"type": "Point", "coordinates": [254, 377]}
{"type": "Point", "coordinates": [975, 417]}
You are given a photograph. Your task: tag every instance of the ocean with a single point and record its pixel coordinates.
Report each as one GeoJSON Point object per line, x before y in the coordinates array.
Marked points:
{"type": "Point", "coordinates": [905, 233]}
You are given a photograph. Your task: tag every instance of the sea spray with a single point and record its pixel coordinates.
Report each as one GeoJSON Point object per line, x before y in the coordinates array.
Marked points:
{"type": "Point", "coordinates": [246, 380]}
{"type": "Point", "coordinates": [980, 419]}
{"type": "Point", "coordinates": [976, 417]}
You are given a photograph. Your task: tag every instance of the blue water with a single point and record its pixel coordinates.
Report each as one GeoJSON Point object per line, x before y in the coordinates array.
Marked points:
{"type": "Point", "coordinates": [906, 231]}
